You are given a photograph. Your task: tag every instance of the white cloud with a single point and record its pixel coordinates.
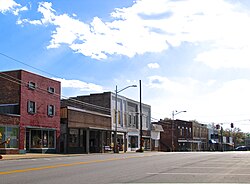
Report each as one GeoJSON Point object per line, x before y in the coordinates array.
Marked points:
{"type": "Point", "coordinates": [226, 58]}
{"type": "Point", "coordinates": [33, 22]}
{"type": "Point", "coordinates": [77, 84]}
{"type": "Point", "coordinates": [8, 5]}
{"type": "Point", "coordinates": [226, 102]}
{"type": "Point", "coordinates": [150, 26]}
{"type": "Point", "coordinates": [153, 65]}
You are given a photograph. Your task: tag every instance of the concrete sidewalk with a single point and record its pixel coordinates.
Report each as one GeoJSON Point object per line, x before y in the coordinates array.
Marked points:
{"type": "Point", "coordinates": [45, 155]}
{"type": "Point", "coordinates": [35, 155]}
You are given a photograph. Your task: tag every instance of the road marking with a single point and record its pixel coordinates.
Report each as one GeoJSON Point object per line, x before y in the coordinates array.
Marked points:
{"type": "Point", "coordinates": [66, 165]}
{"type": "Point", "coordinates": [213, 174]}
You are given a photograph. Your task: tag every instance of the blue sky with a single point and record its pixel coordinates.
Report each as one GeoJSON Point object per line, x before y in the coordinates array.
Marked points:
{"type": "Point", "coordinates": [191, 55]}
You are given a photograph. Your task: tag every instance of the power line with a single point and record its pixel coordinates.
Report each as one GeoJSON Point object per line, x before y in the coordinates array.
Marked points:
{"type": "Point", "coordinates": [20, 82]}
{"type": "Point", "coordinates": [13, 59]}
{"type": "Point", "coordinates": [67, 98]}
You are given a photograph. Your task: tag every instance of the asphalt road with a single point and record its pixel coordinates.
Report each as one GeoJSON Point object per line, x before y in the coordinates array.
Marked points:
{"type": "Point", "coordinates": [151, 167]}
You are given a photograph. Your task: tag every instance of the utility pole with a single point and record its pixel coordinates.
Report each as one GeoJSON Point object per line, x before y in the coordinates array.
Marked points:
{"type": "Point", "coordinates": [172, 127]}
{"type": "Point", "coordinates": [141, 141]}
{"type": "Point", "coordinates": [221, 131]}
{"type": "Point", "coordinates": [116, 150]}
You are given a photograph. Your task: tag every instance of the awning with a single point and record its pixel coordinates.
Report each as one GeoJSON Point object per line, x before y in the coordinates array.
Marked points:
{"type": "Point", "coordinates": [157, 128]}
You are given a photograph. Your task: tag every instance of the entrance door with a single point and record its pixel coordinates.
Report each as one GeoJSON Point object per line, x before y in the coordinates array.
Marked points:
{"type": "Point", "coordinates": [27, 140]}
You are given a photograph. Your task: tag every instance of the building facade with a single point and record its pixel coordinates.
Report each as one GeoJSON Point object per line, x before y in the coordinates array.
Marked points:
{"type": "Point", "coordinates": [179, 135]}
{"type": "Point", "coordinates": [200, 136]}
{"type": "Point", "coordinates": [156, 136]}
{"type": "Point", "coordinates": [84, 131]}
{"type": "Point", "coordinates": [29, 112]}
{"type": "Point", "coordinates": [128, 119]}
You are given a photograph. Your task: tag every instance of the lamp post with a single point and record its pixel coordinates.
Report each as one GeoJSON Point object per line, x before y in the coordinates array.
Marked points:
{"type": "Point", "coordinates": [172, 127]}
{"type": "Point", "coordinates": [116, 117]}
{"type": "Point", "coordinates": [141, 142]}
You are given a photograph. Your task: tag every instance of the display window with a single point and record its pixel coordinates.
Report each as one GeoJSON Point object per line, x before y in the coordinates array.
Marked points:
{"type": "Point", "coordinates": [12, 133]}
{"type": "Point", "coordinates": [133, 142]}
{"type": "Point", "coordinates": [42, 138]}
{"type": "Point", "coordinates": [74, 137]}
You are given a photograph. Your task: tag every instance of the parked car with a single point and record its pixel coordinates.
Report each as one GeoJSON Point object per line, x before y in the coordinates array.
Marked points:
{"type": "Point", "coordinates": [241, 148]}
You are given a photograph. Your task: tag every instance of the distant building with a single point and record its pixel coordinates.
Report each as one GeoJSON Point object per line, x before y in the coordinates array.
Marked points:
{"type": "Point", "coordinates": [200, 137]}
{"type": "Point", "coordinates": [156, 136]}
{"type": "Point", "coordinates": [182, 135]}
{"type": "Point", "coordinates": [29, 112]}
{"type": "Point", "coordinates": [213, 138]}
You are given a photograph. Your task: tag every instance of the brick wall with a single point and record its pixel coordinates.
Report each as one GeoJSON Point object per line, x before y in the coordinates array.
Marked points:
{"type": "Point", "coordinates": [78, 119]}
{"type": "Point", "coordinates": [99, 99]}
{"type": "Point", "coordinates": [43, 98]}
{"type": "Point", "coordinates": [9, 120]}
{"type": "Point", "coordinates": [10, 87]}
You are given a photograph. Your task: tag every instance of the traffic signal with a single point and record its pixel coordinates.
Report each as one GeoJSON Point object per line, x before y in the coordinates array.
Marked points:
{"type": "Point", "coordinates": [232, 125]}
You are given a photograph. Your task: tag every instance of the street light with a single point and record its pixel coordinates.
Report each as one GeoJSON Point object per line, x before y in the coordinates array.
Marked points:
{"type": "Point", "coordinates": [116, 117]}
{"type": "Point", "coordinates": [172, 127]}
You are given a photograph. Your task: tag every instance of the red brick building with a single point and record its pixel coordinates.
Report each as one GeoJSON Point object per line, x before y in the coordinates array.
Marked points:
{"type": "Point", "coordinates": [182, 135]}
{"type": "Point", "coordinates": [29, 112]}
{"type": "Point", "coordinates": [177, 135]}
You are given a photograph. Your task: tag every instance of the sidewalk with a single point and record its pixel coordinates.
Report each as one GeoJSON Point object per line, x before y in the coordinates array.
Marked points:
{"type": "Point", "coordinates": [34, 155]}
{"type": "Point", "coordinates": [45, 155]}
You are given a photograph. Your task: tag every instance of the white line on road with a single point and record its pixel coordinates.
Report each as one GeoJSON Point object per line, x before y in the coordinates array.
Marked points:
{"type": "Point", "coordinates": [213, 174]}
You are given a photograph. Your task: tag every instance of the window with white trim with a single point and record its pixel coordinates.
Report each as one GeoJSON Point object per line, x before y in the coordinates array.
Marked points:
{"type": "Point", "coordinates": [32, 85]}
{"type": "Point", "coordinates": [51, 90]}
{"type": "Point", "coordinates": [31, 107]}
{"type": "Point", "coordinates": [51, 110]}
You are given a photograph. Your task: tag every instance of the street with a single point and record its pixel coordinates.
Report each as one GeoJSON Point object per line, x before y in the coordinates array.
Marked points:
{"type": "Point", "coordinates": [149, 167]}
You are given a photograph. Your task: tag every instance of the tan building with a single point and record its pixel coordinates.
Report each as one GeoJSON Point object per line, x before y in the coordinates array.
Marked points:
{"type": "Point", "coordinates": [84, 131]}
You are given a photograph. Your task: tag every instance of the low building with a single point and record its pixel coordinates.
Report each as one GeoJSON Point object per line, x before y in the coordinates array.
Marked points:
{"type": "Point", "coordinates": [156, 136]}
{"type": "Point", "coordinates": [84, 131]}
{"type": "Point", "coordinates": [29, 112]}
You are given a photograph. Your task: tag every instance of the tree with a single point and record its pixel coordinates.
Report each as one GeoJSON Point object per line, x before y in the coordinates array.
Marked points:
{"type": "Point", "coordinates": [167, 119]}
{"type": "Point", "coordinates": [238, 136]}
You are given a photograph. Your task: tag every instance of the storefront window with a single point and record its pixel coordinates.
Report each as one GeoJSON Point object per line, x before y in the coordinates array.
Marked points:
{"type": "Point", "coordinates": [51, 139]}
{"type": "Point", "coordinates": [42, 139]}
{"type": "Point", "coordinates": [9, 132]}
{"type": "Point", "coordinates": [73, 137]}
{"type": "Point", "coordinates": [133, 141]}
{"type": "Point", "coordinates": [2, 136]}
{"type": "Point", "coordinates": [146, 143]}
{"type": "Point", "coordinates": [36, 139]}
{"type": "Point", "coordinates": [12, 133]}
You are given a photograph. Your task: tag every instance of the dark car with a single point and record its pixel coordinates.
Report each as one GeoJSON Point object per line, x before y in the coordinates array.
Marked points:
{"type": "Point", "coordinates": [241, 148]}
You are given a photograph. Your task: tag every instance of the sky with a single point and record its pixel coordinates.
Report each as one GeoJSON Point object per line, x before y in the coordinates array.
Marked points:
{"type": "Point", "coordinates": [191, 55]}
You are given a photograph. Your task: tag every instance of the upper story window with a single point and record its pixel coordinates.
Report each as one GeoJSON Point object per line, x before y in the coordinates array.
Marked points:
{"type": "Point", "coordinates": [51, 90]}
{"type": "Point", "coordinates": [32, 85]}
{"type": "Point", "coordinates": [9, 109]}
{"type": "Point", "coordinates": [51, 110]}
{"type": "Point", "coordinates": [31, 107]}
